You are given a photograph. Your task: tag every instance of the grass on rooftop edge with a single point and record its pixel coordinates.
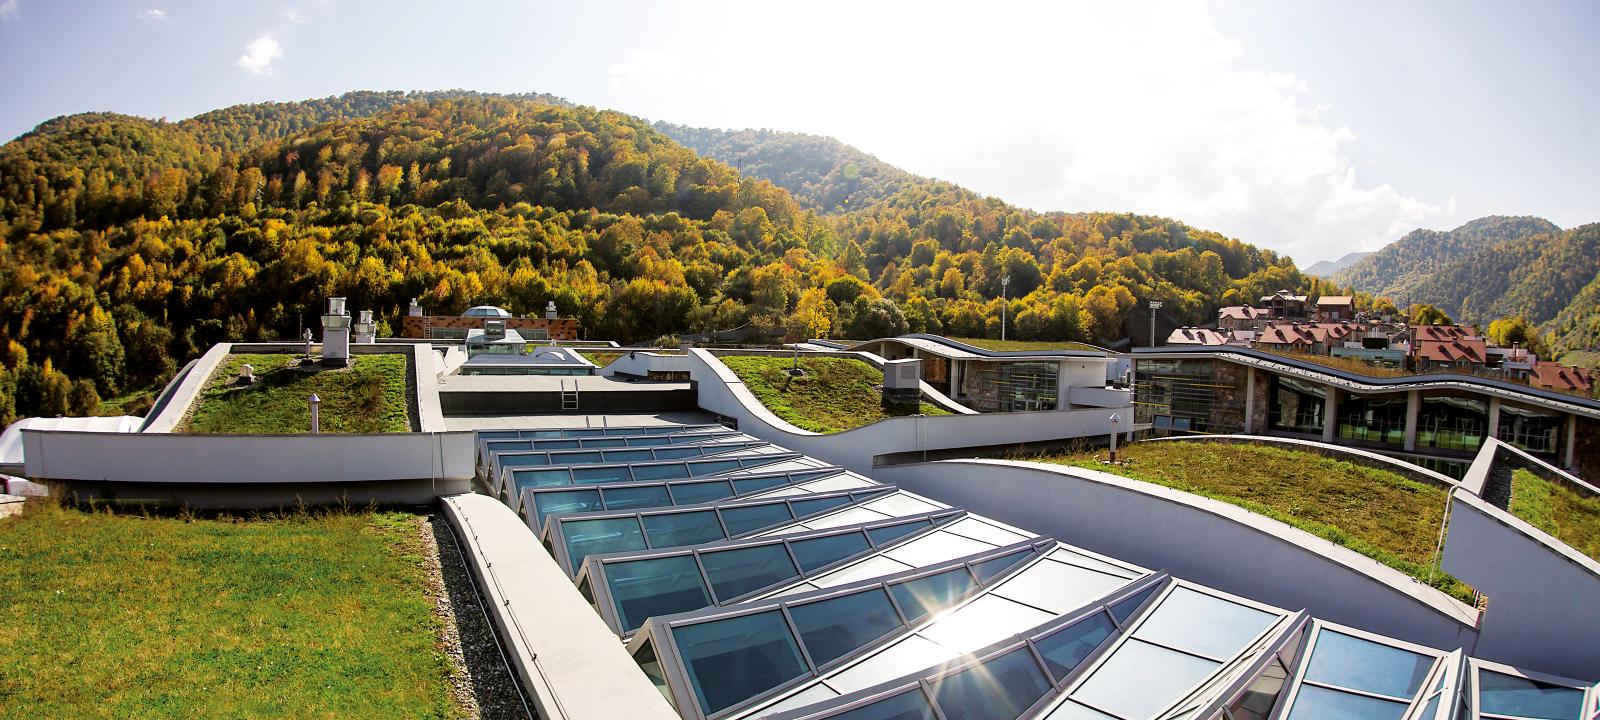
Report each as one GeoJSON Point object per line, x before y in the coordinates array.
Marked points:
{"type": "Point", "coordinates": [307, 614]}
{"type": "Point", "coordinates": [1025, 345]}
{"type": "Point", "coordinates": [600, 358]}
{"type": "Point", "coordinates": [370, 396]}
{"type": "Point", "coordinates": [834, 395]}
{"type": "Point", "coordinates": [1380, 514]}
{"type": "Point", "coordinates": [1565, 513]}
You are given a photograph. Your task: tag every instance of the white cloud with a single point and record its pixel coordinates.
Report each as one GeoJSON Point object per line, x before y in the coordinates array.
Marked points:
{"type": "Point", "coordinates": [1147, 108]}
{"type": "Point", "coordinates": [293, 16]}
{"type": "Point", "coordinates": [10, 9]}
{"type": "Point", "coordinates": [156, 14]}
{"type": "Point", "coordinates": [259, 54]}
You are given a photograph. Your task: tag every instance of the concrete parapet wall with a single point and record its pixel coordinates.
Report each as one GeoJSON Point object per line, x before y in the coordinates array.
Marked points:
{"type": "Point", "coordinates": [566, 657]}
{"type": "Point", "coordinates": [1199, 539]}
{"type": "Point", "coordinates": [720, 391]}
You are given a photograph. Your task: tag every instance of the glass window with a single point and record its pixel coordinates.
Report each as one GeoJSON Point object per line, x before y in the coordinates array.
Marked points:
{"type": "Point", "coordinates": [749, 518]}
{"type": "Point", "coordinates": [682, 528]}
{"type": "Point", "coordinates": [734, 659]}
{"type": "Point", "coordinates": [671, 453]}
{"type": "Point", "coordinates": [1070, 710]}
{"type": "Point", "coordinates": [1258, 699]}
{"type": "Point", "coordinates": [925, 595]}
{"type": "Point", "coordinates": [755, 485]}
{"type": "Point", "coordinates": [595, 443]}
{"type": "Point", "coordinates": [565, 501]}
{"type": "Point", "coordinates": [1065, 648]}
{"type": "Point", "coordinates": [737, 572]}
{"type": "Point", "coordinates": [661, 586]}
{"type": "Point", "coordinates": [660, 472]}
{"type": "Point", "coordinates": [817, 552]}
{"type": "Point", "coordinates": [636, 497]}
{"type": "Point", "coordinates": [1297, 405]}
{"type": "Point", "coordinates": [1140, 679]}
{"type": "Point", "coordinates": [541, 478]}
{"type": "Point", "coordinates": [994, 566]}
{"type": "Point", "coordinates": [1358, 664]}
{"type": "Point", "coordinates": [1503, 694]}
{"type": "Point", "coordinates": [700, 492]}
{"type": "Point", "coordinates": [1452, 423]}
{"type": "Point", "coordinates": [836, 627]}
{"type": "Point", "coordinates": [558, 444]}
{"type": "Point", "coordinates": [595, 537]}
{"type": "Point", "coordinates": [905, 706]}
{"type": "Point", "coordinates": [617, 456]}
{"type": "Point", "coordinates": [813, 506]}
{"type": "Point", "coordinates": [999, 689]}
{"type": "Point", "coordinates": [1320, 703]}
{"type": "Point", "coordinates": [712, 467]}
{"type": "Point", "coordinates": [595, 476]}
{"type": "Point", "coordinates": [889, 533]}
{"type": "Point", "coordinates": [1123, 609]}
{"type": "Point", "coordinates": [1202, 624]}
{"type": "Point", "coordinates": [574, 458]}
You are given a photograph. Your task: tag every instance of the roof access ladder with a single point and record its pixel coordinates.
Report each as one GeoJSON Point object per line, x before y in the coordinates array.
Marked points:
{"type": "Point", "coordinates": [569, 396]}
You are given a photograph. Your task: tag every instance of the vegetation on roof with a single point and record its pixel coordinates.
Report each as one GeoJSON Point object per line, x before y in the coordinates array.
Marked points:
{"type": "Point", "coordinates": [833, 395]}
{"type": "Point", "coordinates": [370, 396]}
{"type": "Point", "coordinates": [321, 614]}
{"type": "Point", "coordinates": [1025, 345]}
{"type": "Point", "coordinates": [1378, 513]}
{"type": "Point", "coordinates": [1349, 365]}
{"type": "Point", "coordinates": [1571, 516]}
{"type": "Point", "coordinates": [600, 358]}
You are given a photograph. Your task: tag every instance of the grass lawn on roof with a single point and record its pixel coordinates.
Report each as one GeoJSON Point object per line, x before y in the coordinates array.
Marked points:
{"type": "Point", "coordinates": [1380, 514]}
{"type": "Point", "coordinates": [1570, 516]}
{"type": "Point", "coordinates": [1025, 345]}
{"type": "Point", "coordinates": [367, 397]}
{"type": "Point", "coordinates": [305, 615]}
{"type": "Point", "coordinates": [835, 394]}
{"type": "Point", "coordinates": [600, 358]}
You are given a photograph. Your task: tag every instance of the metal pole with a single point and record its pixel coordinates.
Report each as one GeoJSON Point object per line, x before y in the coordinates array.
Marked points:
{"type": "Point", "coordinates": [1113, 439]}
{"type": "Point", "coordinates": [1004, 281]}
{"type": "Point", "coordinates": [316, 424]}
{"type": "Point", "coordinates": [1154, 306]}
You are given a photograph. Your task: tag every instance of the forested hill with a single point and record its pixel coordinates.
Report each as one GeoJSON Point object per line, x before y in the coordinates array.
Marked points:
{"type": "Point", "coordinates": [129, 245]}
{"type": "Point", "coordinates": [1399, 268]}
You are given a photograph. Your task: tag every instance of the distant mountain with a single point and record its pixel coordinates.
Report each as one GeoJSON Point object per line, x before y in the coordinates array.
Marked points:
{"type": "Point", "coordinates": [1399, 268]}
{"type": "Point", "coordinates": [1326, 268]}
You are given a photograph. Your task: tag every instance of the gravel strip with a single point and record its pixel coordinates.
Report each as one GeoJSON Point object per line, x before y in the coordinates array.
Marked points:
{"type": "Point", "coordinates": [482, 685]}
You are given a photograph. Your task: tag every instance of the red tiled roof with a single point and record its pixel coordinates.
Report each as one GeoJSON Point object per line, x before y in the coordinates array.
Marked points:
{"type": "Point", "coordinates": [1289, 335]}
{"type": "Point", "coordinates": [1468, 349]}
{"type": "Point", "coordinates": [1196, 336]}
{"type": "Point", "coordinates": [1561, 377]}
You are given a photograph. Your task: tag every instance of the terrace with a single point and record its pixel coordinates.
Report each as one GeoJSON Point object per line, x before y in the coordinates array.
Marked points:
{"type": "Point", "coordinates": [370, 396]}
{"type": "Point", "coordinates": [833, 394]}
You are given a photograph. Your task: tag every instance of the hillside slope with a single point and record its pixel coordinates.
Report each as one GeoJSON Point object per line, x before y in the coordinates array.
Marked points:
{"type": "Point", "coordinates": [1326, 268]}
{"type": "Point", "coordinates": [1396, 270]}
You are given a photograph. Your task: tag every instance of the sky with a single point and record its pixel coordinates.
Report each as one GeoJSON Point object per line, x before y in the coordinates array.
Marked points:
{"type": "Point", "coordinates": [1315, 129]}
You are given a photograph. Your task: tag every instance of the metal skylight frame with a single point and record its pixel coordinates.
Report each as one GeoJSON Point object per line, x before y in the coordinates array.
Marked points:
{"type": "Point", "coordinates": [756, 483]}
{"type": "Point", "coordinates": [488, 448]}
{"type": "Point", "coordinates": [715, 466]}
{"type": "Point", "coordinates": [1474, 696]}
{"type": "Point", "coordinates": [599, 592]}
{"type": "Point", "coordinates": [555, 540]}
{"type": "Point", "coordinates": [1439, 672]}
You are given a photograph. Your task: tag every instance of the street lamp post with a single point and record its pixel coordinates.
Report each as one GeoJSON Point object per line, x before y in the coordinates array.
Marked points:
{"type": "Point", "coordinates": [1114, 421]}
{"type": "Point", "coordinates": [1004, 281]}
{"type": "Point", "coordinates": [1154, 306]}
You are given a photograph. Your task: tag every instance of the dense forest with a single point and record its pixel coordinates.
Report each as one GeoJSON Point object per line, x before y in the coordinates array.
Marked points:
{"type": "Point", "coordinates": [128, 246]}
{"type": "Point", "coordinates": [1399, 268]}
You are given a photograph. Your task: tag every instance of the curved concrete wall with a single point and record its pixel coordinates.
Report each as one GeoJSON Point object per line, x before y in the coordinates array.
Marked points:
{"type": "Point", "coordinates": [1199, 539]}
{"type": "Point", "coordinates": [720, 391]}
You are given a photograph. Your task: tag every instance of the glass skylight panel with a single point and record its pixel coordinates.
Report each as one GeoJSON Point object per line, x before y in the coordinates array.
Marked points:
{"type": "Point", "coordinates": [1257, 700]}
{"type": "Point", "coordinates": [889, 533]}
{"type": "Point", "coordinates": [999, 689]}
{"type": "Point", "coordinates": [750, 518]}
{"type": "Point", "coordinates": [1082, 560]}
{"type": "Point", "coordinates": [979, 530]}
{"type": "Point", "coordinates": [659, 586]}
{"type": "Point", "coordinates": [994, 566]}
{"type": "Point", "coordinates": [631, 498]}
{"type": "Point", "coordinates": [833, 628]}
{"type": "Point", "coordinates": [853, 516]}
{"type": "Point", "coordinates": [936, 548]}
{"type": "Point", "coordinates": [1502, 694]}
{"type": "Point", "coordinates": [1066, 648]}
{"type": "Point", "coordinates": [1140, 679]}
{"type": "Point", "coordinates": [983, 621]}
{"type": "Point", "coordinates": [911, 705]}
{"type": "Point", "coordinates": [712, 467]}
{"type": "Point", "coordinates": [820, 552]}
{"type": "Point", "coordinates": [925, 595]}
{"type": "Point", "coordinates": [813, 506]}
{"type": "Point", "coordinates": [599, 536]}
{"type": "Point", "coordinates": [755, 485]}
{"type": "Point", "coordinates": [674, 453]}
{"type": "Point", "coordinates": [906, 655]}
{"type": "Point", "coordinates": [701, 492]}
{"type": "Point", "coordinates": [566, 501]}
{"type": "Point", "coordinates": [901, 504]}
{"type": "Point", "coordinates": [1056, 587]}
{"type": "Point", "coordinates": [1313, 702]}
{"type": "Point", "coordinates": [1203, 624]}
{"type": "Point", "coordinates": [669, 471]}
{"type": "Point", "coordinates": [871, 567]}
{"type": "Point", "coordinates": [735, 658]}
{"type": "Point", "coordinates": [682, 528]}
{"type": "Point", "coordinates": [1070, 710]}
{"type": "Point", "coordinates": [839, 481]}
{"type": "Point", "coordinates": [1347, 661]}
{"type": "Point", "coordinates": [598, 475]}
{"type": "Point", "coordinates": [785, 466]}
{"type": "Point", "coordinates": [541, 478]}
{"type": "Point", "coordinates": [1126, 607]}
{"type": "Point", "coordinates": [745, 570]}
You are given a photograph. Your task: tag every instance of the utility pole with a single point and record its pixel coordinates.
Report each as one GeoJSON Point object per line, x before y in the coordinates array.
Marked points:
{"type": "Point", "coordinates": [1154, 306]}
{"type": "Point", "coordinates": [1004, 281]}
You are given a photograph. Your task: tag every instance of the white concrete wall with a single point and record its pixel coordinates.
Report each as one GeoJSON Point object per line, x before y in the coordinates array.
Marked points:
{"type": "Point", "coordinates": [1544, 597]}
{"type": "Point", "coordinates": [1195, 538]}
{"type": "Point", "coordinates": [721, 391]}
{"type": "Point", "coordinates": [641, 364]}
{"type": "Point", "coordinates": [246, 459]}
